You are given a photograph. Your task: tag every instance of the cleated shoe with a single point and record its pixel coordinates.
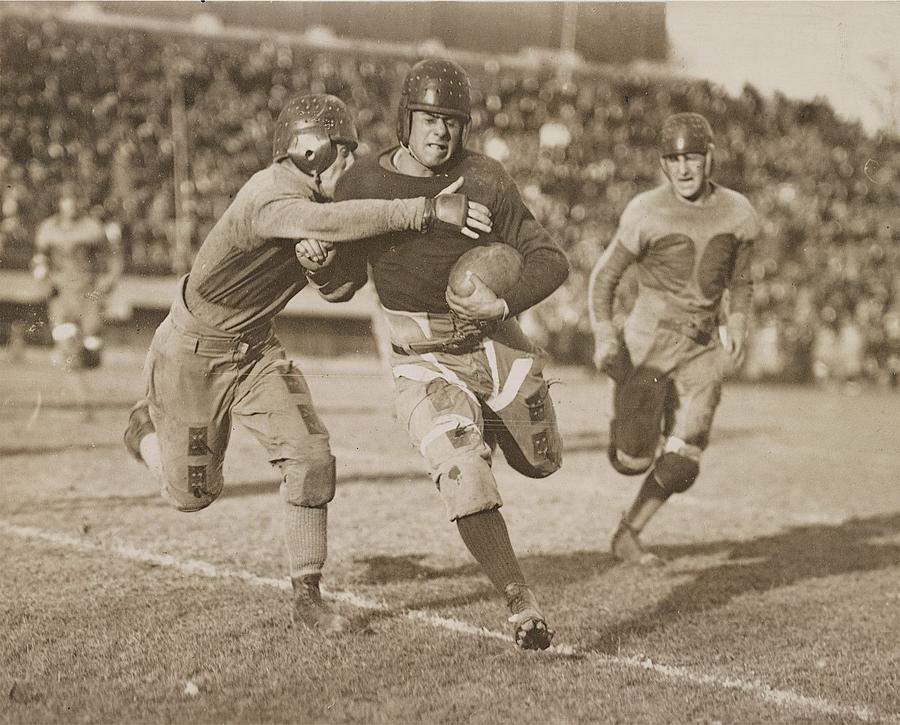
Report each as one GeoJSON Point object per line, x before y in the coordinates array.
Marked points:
{"type": "Point", "coordinates": [530, 630]}
{"type": "Point", "coordinates": [139, 425]}
{"type": "Point", "coordinates": [626, 547]}
{"type": "Point", "coordinates": [310, 611]}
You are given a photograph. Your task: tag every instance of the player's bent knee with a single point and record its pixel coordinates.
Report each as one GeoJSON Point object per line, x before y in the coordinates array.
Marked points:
{"type": "Point", "coordinates": [467, 486]}
{"type": "Point", "coordinates": [309, 481]}
{"type": "Point", "coordinates": [675, 472]}
{"type": "Point", "coordinates": [536, 469]}
{"type": "Point", "coordinates": [196, 497]}
{"type": "Point", "coordinates": [628, 465]}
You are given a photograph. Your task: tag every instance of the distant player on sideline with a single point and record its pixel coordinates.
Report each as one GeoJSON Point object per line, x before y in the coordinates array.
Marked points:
{"type": "Point", "coordinates": [80, 264]}
{"type": "Point", "coordinates": [215, 357]}
{"type": "Point", "coordinates": [690, 240]}
{"type": "Point", "coordinates": [466, 380]}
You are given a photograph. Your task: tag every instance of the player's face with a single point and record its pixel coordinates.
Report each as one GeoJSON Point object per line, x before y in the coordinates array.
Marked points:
{"type": "Point", "coordinates": [332, 175]}
{"type": "Point", "coordinates": [687, 174]}
{"type": "Point", "coordinates": [434, 138]}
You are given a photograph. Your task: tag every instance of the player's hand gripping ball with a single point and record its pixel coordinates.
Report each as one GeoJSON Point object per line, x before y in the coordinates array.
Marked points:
{"type": "Point", "coordinates": [498, 265]}
{"type": "Point", "coordinates": [480, 279]}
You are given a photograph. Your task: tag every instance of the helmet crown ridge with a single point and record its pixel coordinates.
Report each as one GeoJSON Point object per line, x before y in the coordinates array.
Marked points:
{"type": "Point", "coordinates": [437, 85]}
{"type": "Point", "coordinates": [685, 133]}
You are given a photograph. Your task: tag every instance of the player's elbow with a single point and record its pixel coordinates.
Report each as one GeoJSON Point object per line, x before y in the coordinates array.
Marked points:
{"type": "Point", "coordinates": [559, 268]}
{"type": "Point", "coordinates": [340, 293]}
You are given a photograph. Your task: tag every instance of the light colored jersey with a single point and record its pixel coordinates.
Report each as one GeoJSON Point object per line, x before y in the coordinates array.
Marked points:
{"type": "Point", "coordinates": [77, 252]}
{"type": "Point", "coordinates": [686, 253]}
{"type": "Point", "coordinates": [246, 270]}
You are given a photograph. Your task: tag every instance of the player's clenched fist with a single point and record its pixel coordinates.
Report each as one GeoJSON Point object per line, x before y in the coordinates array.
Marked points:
{"type": "Point", "coordinates": [735, 338]}
{"type": "Point", "coordinates": [314, 254]}
{"type": "Point", "coordinates": [606, 346]}
{"type": "Point", "coordinates": [458, 211]}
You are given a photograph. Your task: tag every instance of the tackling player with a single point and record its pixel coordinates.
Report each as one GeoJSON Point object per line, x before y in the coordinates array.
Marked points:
{"type": "Point", "coordinates": [80, 263]}
{"type": "Point", "coordinates": [466, 380]}
{"type": "Point", "coordinates": [690, 240]}
{"type": "Point", "coordinates": [215, 358]}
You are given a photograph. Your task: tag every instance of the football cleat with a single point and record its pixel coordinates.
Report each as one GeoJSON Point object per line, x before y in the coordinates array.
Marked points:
{"type": "Point", "coordinates": [530, 630]}
{"type": "Point", "coordinates": [139, 425]}
{"type": "Point", "coordinates": [309, 610]}
{"type": "Point", "coordinates": [626, 547]}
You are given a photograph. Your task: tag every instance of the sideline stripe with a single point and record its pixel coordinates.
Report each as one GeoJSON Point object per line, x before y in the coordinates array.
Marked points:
{"type": "Point", "coordinates": [195, 567]}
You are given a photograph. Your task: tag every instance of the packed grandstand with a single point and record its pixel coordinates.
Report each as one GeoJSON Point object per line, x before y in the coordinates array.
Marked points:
{"type": "Point", "coordinates": [94, 103]}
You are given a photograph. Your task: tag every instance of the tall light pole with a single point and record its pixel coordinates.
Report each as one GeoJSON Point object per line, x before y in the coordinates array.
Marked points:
{"type": "Point", "coordinates": [567, 40]}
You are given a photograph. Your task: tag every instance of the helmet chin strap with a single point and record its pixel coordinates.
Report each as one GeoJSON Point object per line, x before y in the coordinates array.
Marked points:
{"type": "Point", "coordinates": [406, 147]}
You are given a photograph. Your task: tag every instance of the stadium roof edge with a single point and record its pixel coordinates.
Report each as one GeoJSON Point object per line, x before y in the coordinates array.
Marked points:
{"type": "Point", "coordinates": [528, 58]}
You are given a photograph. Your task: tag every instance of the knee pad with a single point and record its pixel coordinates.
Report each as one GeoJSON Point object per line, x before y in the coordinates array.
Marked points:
{"type": "Point", "coordinates": [675, 472]}
{"type": "Point", "coordinates": [631, 464]}
{"type": "Point", "coordinates": [527, 433]}
{"type": "Point", "coordinates": [467, 486]}
{"type": "Point", "coordinates": [308, 482]}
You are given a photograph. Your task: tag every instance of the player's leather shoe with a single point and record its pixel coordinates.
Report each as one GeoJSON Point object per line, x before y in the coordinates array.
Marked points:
{"type": "Point", "coordinates": [309, 609]}
{"type": "Point", "coordinates": [626, 546]}
{"type": "Point", "coordinates": [530, 630]}
{"type": "Point", "coordinates": [139, 425]}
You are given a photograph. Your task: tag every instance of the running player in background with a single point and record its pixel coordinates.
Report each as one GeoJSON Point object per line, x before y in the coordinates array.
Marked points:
{"type": "Point", "coordinates": [216, 358]}
{"type": "Point", "coordinates": [80, 264]}
{"type": "Point", "coordinates": [690, 240]}
{"type": "Point", "coordinates": [467, 378]}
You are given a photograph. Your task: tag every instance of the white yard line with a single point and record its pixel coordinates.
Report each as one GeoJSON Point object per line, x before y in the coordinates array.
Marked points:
{"type": "Point", "coordinates": [194, 567]}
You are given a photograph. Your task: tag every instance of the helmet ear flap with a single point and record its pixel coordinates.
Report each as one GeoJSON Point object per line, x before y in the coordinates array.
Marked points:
{"type": "Point", "coordinates": [312, 151]}
{"type": "Point", "coordinates": [710, 162]}
{"type": "Point", "coordinates": [404, 122]}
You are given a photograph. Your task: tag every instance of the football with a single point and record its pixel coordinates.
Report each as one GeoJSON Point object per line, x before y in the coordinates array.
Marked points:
{"type": "Point", "coordinates": [498, 265]}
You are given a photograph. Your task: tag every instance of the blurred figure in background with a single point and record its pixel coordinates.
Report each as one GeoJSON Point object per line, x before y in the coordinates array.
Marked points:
{"type": "Point", "coordinates": [79, 264]}
{"type": "Point", "coordinates": [691, 240]}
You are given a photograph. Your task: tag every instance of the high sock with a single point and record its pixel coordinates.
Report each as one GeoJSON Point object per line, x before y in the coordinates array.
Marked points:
{"type": "Point", "coordinates": [648, 501]}
{"type": "Point", "coordinates": [487, 538]}
{"type": "Point", "coordinates": [305, 537]}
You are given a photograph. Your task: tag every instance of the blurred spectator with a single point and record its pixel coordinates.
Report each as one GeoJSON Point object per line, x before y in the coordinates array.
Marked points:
{"type": "Point", "coordinates": [100, 100]}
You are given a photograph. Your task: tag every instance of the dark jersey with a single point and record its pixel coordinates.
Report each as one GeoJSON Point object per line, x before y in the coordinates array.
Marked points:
{"type": "Point", "coordinates": [246, 271]}
{"type": "Point", "coordinates": [411, 269]}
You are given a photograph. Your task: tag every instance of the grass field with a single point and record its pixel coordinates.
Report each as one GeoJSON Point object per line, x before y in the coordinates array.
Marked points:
{"type": "Point", "coordinates": [781, 602]}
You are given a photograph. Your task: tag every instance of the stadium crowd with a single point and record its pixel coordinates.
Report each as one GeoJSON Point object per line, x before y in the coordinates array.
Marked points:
{"type": "Point", "coordinates": [95, 104]}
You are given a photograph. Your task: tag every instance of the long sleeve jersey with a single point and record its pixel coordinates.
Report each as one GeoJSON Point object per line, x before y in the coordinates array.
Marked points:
{"type": "Point", "coordinates": [686, 254]}
{"type": "Point", "coordinates": [411, 270]}
{"type": "Point", "coordinates": [246, 270]}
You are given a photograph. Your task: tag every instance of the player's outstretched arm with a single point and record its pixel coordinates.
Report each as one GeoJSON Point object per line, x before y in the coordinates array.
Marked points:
{"type": "Point", "coordinates": [293, 217]}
